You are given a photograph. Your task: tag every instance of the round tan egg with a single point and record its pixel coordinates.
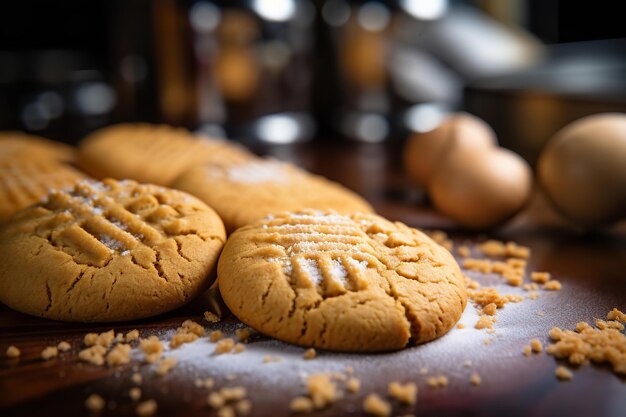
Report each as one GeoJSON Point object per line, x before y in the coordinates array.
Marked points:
{"type": "Point", "coordinates": [481, 188]}
{"type": "Point", "coordinates": [424, 152]}
{"type": "Point", "coordinates": [582, 169]}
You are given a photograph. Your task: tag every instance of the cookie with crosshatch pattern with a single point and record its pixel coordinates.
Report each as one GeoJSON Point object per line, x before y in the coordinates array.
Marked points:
{"type": "Point", "coordinates": [17, 146]}
{"type": "Point", "coordinates": [341, 282]}
{"type": "Point", "coordinates": [108, 251]}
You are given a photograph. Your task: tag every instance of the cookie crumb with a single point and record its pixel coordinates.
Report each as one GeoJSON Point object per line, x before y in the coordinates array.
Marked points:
{"type": "Point", "coordinates": [102, 339]}
{"type": "Point", "coordinates": [94, 355]}
{"type": "Point", "coordinates": [152, 348]}
{"type": "Point", "coordinates": [243, 407]}
{"type": "Point", "coordinates": [309, 354]}
{"type": "Point", "coordinates": [460, 326]}
{"type": "Point", "coordinates": [475, 379]}
{"type": "Point", "coordinates": [95, 403]}
{"type": "Point", "coordinates": [437, 381]}
{"type": "Point", "coordinates": [134, 393]}
{"type": "Point", "coordinates": [540, 277]}
{"type": "Point", "coordinates": [563, 373]}
{"type": "Point", "coordinates": [490, 309]}
{"type": "Point", "coordinates": [243, 334]}
{"type": "Point", "coordinates": [527, 350]}
{"type": "Point", "coordinates": [405, 393]}
{"type": "Point", "coordinates": [353, 385]}
{"type": "Point", "coordinates": [215, 400]}
{"type": "Point", "coordinates": [224, 346]}
{"type": "Point", "coordinates": [536, 345]}
{"type": "Point", "coordinates": [233, 394]}
{"type": "Point", "coordinates": [270, 359]}
{"type": "Point", "coordinates": [119, 355]}
{"type": "Point", "coordinates": [137, 378]}
{"type": "Point", "coordinates": [49, 353]}
{"type": "Point", "coordinates": [13, 352]}
{"type": "Point", "coordinates": [132, 335]}
{"type": "Point", "coordinates": [226, 411]}
{"type": "Point", "coordinates": [376, 406]}
{"type": "Point", "coordinates": [63, 346]}
{"type": "Point", "coordinates": [616, 315]}
{"type": "Point", "coordinates": [166, 365]}
{"type": "Point", "coordinates": [463, 251]}
{"type": "Point", "coordinates": [552, 285]}
{"type": "Point", "coordinates": [301, 405]}
{"type": "Point", "coordinates": [211, 317]}
{"type": "Point", "coordinates": [239, 347]}
{"type": "Point", "coordinates": [146, 408]}
{"type": "Point", "coordinates": [322, 390]}
{"type": "Point", "coordinates": [484, 322]}
{"type": "Point", "coordinates": [215, 335]}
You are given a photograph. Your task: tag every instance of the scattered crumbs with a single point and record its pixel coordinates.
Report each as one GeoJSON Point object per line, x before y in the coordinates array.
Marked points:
{"type": "Point", "coordinates": [533, 296]}
{"type": "Point", "coordinates": [322, 390]}
{"type": "Point", "coordinates": [152, 348]}
{"type": "Point", "coordinates": [215, 400]}
{"type": "Point", "coordinates": [527, 350]}
{"type": "Point", "coordinates": [233, 393]}
{"type": "Point", "coordinates": [132, 335]}
{"type": "Point", "coordinates": [211, 317]}
{"type": "Point", "coordinates": [119, 355]}
{"type": "Point", "coordinates": [463, 251]}
{"type": "Point", "coordinates": [93, 355]}
{"type": "Point", "coordinates": [49, 353]}
{"type": "Point", "coordinates": [487, 341]}
{"type": "Point", "coordinates": [134, 393]}
{"type": "Point", "coordinates": [239, 347]}
{"type": "Point", "coordinates": [301, 405]}
{"type": "Point", "coordinates": [484, 322]}
{"type": "Point", "coordinates": [552, 285]}
{"type": "Point", "coordinates": [471, 283]}
{"type": "Point", "coordinates": [376, 406]}
{"type": "Point", "coordinates": [146, 408]}
{"type": "Point", "coordinates": [63, 346]}
{"type": "Point", "coordinates": [563, 373]}
{"type": "Point", "coordinates": [349, 370]}
{"type": "Point", "coordinates": [270, 359]}
{"type": "Point", "coordinates": [616, 315]}
{"type": "Point", "coordinates": [479, 265]}
{"type": "Point", "coordinates": [475, 379]}
{"type": "Point", "coordinates": [188, 332]}
{"type": "Point", "coordinates": [207, 383]}
{"type": "Point", "coordinates": [599, 345]}
{"type": "Point", "coordinates": [460, 326]}
{"type": "Point", "coordinates": [423, 371]}
{"type": "Point", "coordinates": [437, 381]}
{"type": "Point", "coordinates": [224, 346]}
{"type": "Point", "coordinates": [166, 365]}
{"type": "Point", "coordinates": [243, 407]}
{"type": "Point", "coordinates": [536, 345]}
{"type": "Point", "coordinates": [13, 352]}
{"type": "Point", "coordinates": [404, 393]}
{"type": "Point", "coordinates": [226, 411]}
{"type": "Point", "coordinates": [95, 403]}
{"type": "Point", "coordinates": [102, 339]}
{"type": "Point", "coordinates": [243, 334]}
{"type": "Point", "coordinates": [215, 335]}
{"type": "Point", "coordinates": [136, 378]}
{"type": "Point", "coordinates": [514, 280]}
{"type": "Point", "coordinates": [530, 287]}
{"type": "Point", "coordinates": [353, 385]}
{"type": "Point", "coordinates": [490, 309]}
{"type": "Point", "coordinates": [540, 277]}
{"type": "Point", "coordinates": [309, 354]}
{"type": "Point", "coordinates": [441, 237]}
{"type": "Point", "coordinates": [467, 363]}
{"type": "Point", "coordinates": [487, 295]}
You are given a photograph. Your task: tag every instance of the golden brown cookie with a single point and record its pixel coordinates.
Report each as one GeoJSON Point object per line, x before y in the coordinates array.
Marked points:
{"type": "Point", "coordinates": [18, 146]}
{"type": "Point", "coordinates": [342, 282]}
{"type": "Point", "coordinates": [244, 192]}
{"type": "Point", "coordinates": [26, 181]}
{"type": "Point", "coordinates": [108, 251]}
{"type": "Point", "coordinates": [155, 154]}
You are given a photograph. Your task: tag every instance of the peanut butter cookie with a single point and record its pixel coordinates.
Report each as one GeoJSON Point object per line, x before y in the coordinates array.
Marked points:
{"type": "Point", "coordinates": [247, 191]}
{"type": "Point", "coordinates": [108, 251]}
{"type": "Point", "coordinates": [351, 283]}
{"type": "Point", "coordinates": [154, 154]}
{"type": "Point", "coordinates": [26, 181]}
{"type": "Point", "coordinates": [18, 146]}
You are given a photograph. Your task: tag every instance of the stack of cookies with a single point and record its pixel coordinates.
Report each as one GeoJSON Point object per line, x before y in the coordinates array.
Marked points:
{"type": "Point", "coordinates": [306, 261]}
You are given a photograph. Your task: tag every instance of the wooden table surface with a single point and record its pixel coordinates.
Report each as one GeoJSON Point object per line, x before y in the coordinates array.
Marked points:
{"type": "Point", "coordinates": [592, 268]}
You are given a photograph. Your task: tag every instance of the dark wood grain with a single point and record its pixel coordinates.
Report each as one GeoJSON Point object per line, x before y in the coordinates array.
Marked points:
{"type": "Point", "coordinates": [590, 266]}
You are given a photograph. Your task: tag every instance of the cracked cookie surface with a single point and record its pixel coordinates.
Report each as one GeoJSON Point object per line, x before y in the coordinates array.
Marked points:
{"type": "Point", "coordinates": [25, 182]}
{"type": "Point", "coordinates": [108, 251]}
{"type": "Point", "coordinates": [154, 154]}
{"type": "Point", "coordinates": [246, 191]}
{"type": "Point", "coordinates": [341, 282]}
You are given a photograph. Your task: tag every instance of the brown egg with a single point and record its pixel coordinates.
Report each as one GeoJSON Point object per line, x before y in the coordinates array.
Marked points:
{"type": "Point", "coordinates": [481, 188]}
{"type": "Point", "coordinates": [582, 169]}
{"type": "Point", "coordinates": [424, 152]}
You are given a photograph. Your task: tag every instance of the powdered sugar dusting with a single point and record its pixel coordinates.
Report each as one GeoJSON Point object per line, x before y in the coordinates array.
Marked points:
{"type": "Point", "coordinates": [362, 265]}
{"type": "Point", "coordinates": [112, 244]}
{"type": "Point", "coordinates": [339, 273]}
{"type": "Point", "coordinates": [311, 267]}
{"type": "Point", "coordinates": [257, 172]}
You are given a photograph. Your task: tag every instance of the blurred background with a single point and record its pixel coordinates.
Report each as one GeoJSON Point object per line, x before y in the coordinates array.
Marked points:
{"type": "Point", "coordinates": [286, 71]}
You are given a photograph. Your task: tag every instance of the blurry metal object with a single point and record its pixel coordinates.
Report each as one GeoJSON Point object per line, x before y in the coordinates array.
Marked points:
{"type": "Point", "coordinates": [527, 107]}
